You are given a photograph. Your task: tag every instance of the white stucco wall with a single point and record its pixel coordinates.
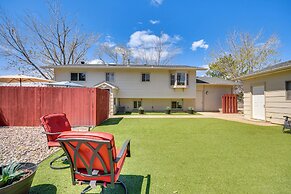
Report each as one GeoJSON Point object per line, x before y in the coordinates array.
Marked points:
{"type": "Point", "coordinates": [155, 104]}
{"type": "Point", "coordinates": [208, 97]}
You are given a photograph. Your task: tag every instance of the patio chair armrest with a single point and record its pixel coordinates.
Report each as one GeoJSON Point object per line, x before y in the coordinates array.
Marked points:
{"type": "Point", "coordinates": [125, 148]}
{"type": "Point", "coordinates": [49, 133]}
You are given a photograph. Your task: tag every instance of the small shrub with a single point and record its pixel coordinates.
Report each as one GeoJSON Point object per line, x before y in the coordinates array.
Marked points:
{"type": "Point", "coordinates": [11, 173]}
{"type": "Point", "coordinates": [190, 110]}
{"type": "Point", "coordinates": [168, 110]}
{"type": "Point", "coordinates": [140, 110]}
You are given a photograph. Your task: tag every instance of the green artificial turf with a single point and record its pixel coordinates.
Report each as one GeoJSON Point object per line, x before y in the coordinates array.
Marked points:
{"type": "Point", "coordinates": [190, 156]}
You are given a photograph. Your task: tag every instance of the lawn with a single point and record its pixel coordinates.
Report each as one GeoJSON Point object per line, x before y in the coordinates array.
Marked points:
{"type": "Point", "coordinates": [191, 156]}
{"type": "Point", "coordinates": [158, 113]}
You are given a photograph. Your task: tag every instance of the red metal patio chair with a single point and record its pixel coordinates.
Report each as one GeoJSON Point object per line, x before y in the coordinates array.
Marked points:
{"type": "Point", "coordinates": [93, 158]}
{"type": "Point", "coordinates": [53, 125]}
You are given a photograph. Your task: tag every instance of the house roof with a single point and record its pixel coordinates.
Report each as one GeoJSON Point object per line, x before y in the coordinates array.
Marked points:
{"type": "Point", "coordinates": [214, 81]}
{"type": "Point", "coordinates": [280, 67]}
{"type": "Point", "coordinates": [132, 66]}
{"type": "Point", "coordinates": [104, 84]}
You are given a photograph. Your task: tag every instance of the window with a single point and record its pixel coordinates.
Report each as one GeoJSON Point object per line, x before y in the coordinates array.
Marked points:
{"type": "Point", "coordinates": [288, 90]}
{"type": "Point", "coordinates": [179, 79]}
{"type": "Point", "coordinates": [109, 77]}
{"type": "Point", "coordinates": [145, 77]}
{"type": "Point", "coordinates": [136, 104]}
{"type": "Point", "coordinates": [78, 76]}
{"type": "Point", "coordinates": [176, 105]}
{"type": "Point", "coordinates": [172, 79]}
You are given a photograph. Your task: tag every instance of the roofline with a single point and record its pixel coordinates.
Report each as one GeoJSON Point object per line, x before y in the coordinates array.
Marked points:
{"type": "Point", "coordinates": [122, 67]}
{"type": "Point", "coordinates": [264, 73]}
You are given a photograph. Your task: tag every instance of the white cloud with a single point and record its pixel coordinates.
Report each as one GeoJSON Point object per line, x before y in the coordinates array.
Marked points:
{"type": "Point", "coordinates": [108, 42]}
{"type": "Point", "coordinates": [199, 44]}
{"type": "Point", "coordinates": [95, 61]}
{"type": "Point", "coordinates": [157, 2]}
{"type": "Point", "coordinates": [143, 45]}
{"type": "Point", "coordinates": [154, 22]}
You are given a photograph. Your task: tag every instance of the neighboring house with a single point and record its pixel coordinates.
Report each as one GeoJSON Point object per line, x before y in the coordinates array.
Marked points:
{"type": "Point", "coordinates": [267, 93]}
{"type": "Point", "coordinates": [152, 87]}
{"type": "Point", "coordinates": [209, 92]}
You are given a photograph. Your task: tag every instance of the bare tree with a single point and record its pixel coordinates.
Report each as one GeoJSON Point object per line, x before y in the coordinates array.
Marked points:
{"type": "Point", "coordinates": [243, 54]}
{"type": "Point", "coordinates": [109, 52]}
{"type": "Point", "coordinates": [160, 51]}
{"type": "Point", "coordinates": [57, 42]}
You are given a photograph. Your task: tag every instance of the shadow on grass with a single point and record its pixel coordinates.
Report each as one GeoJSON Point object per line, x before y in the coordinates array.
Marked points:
{"type": "Point", "coordinates": [136, 184]}
{"type": "Point", "coordinates": [111, 121]}
{"type": "Point", "coordinates": [43, 189]}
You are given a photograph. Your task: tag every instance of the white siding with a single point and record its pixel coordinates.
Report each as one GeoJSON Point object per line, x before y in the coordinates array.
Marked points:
{"type": "Point", "coordinates": [130, 84]}
{"type": "Point", "coordinates": [275, 96]}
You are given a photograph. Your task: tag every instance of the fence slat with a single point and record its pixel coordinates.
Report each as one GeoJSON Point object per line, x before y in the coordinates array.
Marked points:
{"type": "Point", "coordinates": [23, 106]}
{"type": "Point", "coordinates": [229, 103]}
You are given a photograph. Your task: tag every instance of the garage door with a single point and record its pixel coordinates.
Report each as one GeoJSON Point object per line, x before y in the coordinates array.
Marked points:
{"type": "Point", "coordinates": [258, 102]}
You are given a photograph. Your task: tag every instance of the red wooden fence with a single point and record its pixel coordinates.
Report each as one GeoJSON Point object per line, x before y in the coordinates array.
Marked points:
{"type": "Point", "coordinates": [23, 106]}
{"type": "Point", "coordinates": [229, 103]}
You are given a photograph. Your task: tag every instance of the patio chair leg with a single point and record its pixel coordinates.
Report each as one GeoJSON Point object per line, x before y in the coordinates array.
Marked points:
{"type": "Point", "coordinates": [123, 185]}
{"type": "Point", "coordinates": [55, 159]}
{"type": "Point", "coordinates": [88, 188]}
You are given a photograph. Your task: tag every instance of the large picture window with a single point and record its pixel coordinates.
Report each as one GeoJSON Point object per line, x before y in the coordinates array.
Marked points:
{"type": "Point", "coordinates": [179, 79]}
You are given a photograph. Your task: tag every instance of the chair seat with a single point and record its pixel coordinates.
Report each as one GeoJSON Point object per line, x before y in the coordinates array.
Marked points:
{"type": "Point", "coordinates": [53, 144]}
{"type": "Point", "coordinates": [103, 178]}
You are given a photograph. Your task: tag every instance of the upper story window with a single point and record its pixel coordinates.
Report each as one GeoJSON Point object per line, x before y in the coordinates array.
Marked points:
{"type": "Point", "coordinates": [109, 77]}
{"type": "Point", "coordinates": [179, 79]}
{"type": "Point", "coordinates": [288, 90]}
{"type": "Point", "coordinates": [78, 76]}
{"type": "Point", "coordinates": [145, 77]}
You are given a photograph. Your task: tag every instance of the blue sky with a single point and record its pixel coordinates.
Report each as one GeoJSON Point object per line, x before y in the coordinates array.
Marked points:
{"type": "Point", "coordinates": [188, 21]}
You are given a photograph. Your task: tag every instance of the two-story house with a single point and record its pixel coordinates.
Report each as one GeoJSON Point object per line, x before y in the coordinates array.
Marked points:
{"type": "Point", "coordinates": [132, 86]}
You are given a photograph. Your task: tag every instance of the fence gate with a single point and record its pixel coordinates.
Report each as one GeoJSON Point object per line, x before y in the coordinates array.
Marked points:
{"type": "Point", "coordinates": [229, 103]}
